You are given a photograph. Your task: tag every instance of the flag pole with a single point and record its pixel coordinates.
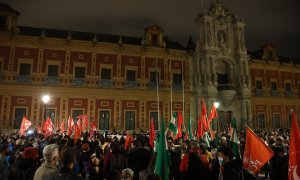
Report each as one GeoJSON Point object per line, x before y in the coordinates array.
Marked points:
{"type": "Point", "coordinates": [157, 93]}
{"type": "Point", "coordinates": [183, 100]}
{"type": "Point", "coordinates": [171, 84]}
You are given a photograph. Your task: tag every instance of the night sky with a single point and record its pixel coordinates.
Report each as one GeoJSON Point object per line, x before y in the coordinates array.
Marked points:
{"type": "Point", "coordinates": [267, 21]}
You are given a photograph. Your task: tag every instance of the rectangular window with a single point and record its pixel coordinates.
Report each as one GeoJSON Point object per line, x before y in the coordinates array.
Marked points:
{"type": "Point", "coordinates": [130, 120]}
{"type": "Point", "coordinates": [258, 84]}
{"type": "Point", "coordinates": [154, 115]}
{"type": "Point", "coordinates": [49, 112]}
{"type": "Point", "coordinates": [261, 121]}
{"type": "Point", "coordinates": [276, 120]}
{"type": "Point", "coordinates": [153, 77]}
{"type": "Point", "coordinates": [104, 117]}
{"type": "Point", "coordinates": [130, 75]}
{"type": "Point", "coordinates": [177, 79]}
{"type": "Point", "coordinates": [19, 114]}
{"type": "Point", "coordinates": [24, 69]}
{"type": "Point", "coordinates": [288, 87]}
{"type": "Point", "coordinates": [105, 73]}
{"type": "Point", "coordinates": [273, 86]}
{"type": "Point", "coordinates": [53, 70]}
{"type": "Point", "coordinates": [79, 72]}
{"type": "Point", "coordinates": [76, 113]}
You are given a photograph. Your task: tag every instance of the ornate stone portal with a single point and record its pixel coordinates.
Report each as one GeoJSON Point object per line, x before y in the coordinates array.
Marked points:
{"type": "Point", "coordinates": [220, 66]}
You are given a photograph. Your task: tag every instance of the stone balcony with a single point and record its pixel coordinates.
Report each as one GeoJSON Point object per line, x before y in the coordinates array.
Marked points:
{"type": "Point", "coordinates": [105, 83]}
{"type": "Point", "coordinates": [24, 79]}
{"type": "Point", "coordinates": [131, 84]}
{"type": "Point", "coordinates": [51, 80]}
{"type": "Point", "coordinates": [79, 82]}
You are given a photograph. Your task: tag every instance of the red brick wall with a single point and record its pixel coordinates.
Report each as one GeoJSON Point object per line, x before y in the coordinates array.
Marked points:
{"type": "Point", "coordinates": [112, 59]}
{"type": "Point", "coordinates": [75, 57]}
{"type": "Point", "coordinates": [4, 52]}
{"type": "Point", "coordinates": [136, 61]}
{"type": "Point", "coordinates": [58, 55]}
{"type": "Point", "coordinates": [32, 54]}
{"type": "Point", "coordinates": [151, 63]}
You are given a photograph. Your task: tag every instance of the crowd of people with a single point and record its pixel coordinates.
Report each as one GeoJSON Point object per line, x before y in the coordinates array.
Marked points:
{"type": "Point", "coordinates": [128, 155]}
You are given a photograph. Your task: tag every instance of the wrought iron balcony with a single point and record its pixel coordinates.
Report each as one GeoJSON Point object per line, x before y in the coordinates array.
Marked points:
{"type": "Point", "coordinates": [259, 92]}
{"type": "Point", "coordinates": [23, 79]}
{"type": "Point", "coordinates": [105, 83]}
{"type": "Point", "coordinates": [79, 81]}
{"type": "Point", "coordinates": [274, 93]}
{"type": "Point", "coordinates": [51, 80]}
{"type": "Point", "coordinates": [153, 85]}
{"type": "Point", "coordinates": [177, 86]}
{"type": "Point", "coordinates": [288, 94]}
{"type": "Point", "coordinates": [131, 84]}
{"type": "Point", "coordinates": [226, 87]}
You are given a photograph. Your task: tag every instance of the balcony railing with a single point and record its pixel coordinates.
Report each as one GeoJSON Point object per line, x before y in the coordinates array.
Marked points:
{"type": "Point", "coordinates": [177, 86]}
{"type": "Point", "coordinates": [23, 79]}
{"type": "Point", "coordinates": [131, 84]}
{"type": "Point", "coordinates": [274, 93]}
{"type": "Point", "coordinates": [259, 92]}
{"type": "Point", "coordinates": [288, 94]}
{"type": "Point", "coordinates": [105, 83]}
{"type": "Point", "coordinates": [226, 87]}
{"type": "Point", "coordinates": [79, 81]}
{"type": "Point", "coordinates": [51, 80]}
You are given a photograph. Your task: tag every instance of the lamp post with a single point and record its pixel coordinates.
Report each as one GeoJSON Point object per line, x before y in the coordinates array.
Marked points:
{"type": "Point", "coordinates": [217, 104]}
{"type": "Point", "coordinates": [45, 99]}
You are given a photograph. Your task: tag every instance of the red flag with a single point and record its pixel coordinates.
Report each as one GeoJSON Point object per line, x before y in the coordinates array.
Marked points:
{"type": "Point", "coordinates": [85, 123]}
{"type": "Point", "coordinates": [256, 153]}
{"type": "Point", "coordinates": [93, 128]}
{"type": "Point", "coordinates": [152, 134]}
{"type": "Point", "coordinates": [62, 126]}
{"type": "Point", "coordinates": [48, 126]}
{"type": "Point", "coordinates": [200, 131]}
{"type": "Point", "coordinates": [179, 124]}
{"type": "Point", "coordinates": [212, 114]}
{"type": "Point", "coordinates": [70, 126]}
{"type": "Point", "coordinates": [24, 126]}
{"type": "Point", "coordinates": [204, 115]}
{"type": "Point", "coordinates": [294, 154]}
{"type": "Point", "coordinates": [77, 132]}
{"type": "Point", "coordinates": [128, 140]}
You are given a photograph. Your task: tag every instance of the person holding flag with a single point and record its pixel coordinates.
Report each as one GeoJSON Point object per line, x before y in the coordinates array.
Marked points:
{"type": "Point", "coordinates": [256, 153]}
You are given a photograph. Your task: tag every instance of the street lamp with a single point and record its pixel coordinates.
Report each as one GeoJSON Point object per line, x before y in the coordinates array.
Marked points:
{"type": "Point", "coordinates": [217, 105]}
{"type": "Point", "coordinates": [45, 99]}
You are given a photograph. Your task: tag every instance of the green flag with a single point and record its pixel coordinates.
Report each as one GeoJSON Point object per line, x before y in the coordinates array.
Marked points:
{"type": "Point", "coordinates": [162, 157]}
{"type": "Point", "coordinates": [172, 125]}
{"type": "Point", "coordinates": [234, 141]}
{"type": "Point", "coordinates": [190, 128]}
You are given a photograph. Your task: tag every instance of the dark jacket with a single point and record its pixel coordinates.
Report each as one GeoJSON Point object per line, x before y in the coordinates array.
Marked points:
{"type": "Point", "coordinates": [63, 174]}
{"type": "Point", "coordinates": [23, 169]}
{"type": "Point", "coordinates": [233, 170]}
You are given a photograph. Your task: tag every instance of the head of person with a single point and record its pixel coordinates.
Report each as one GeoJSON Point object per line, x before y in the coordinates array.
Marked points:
{"type": "Point", "coordinates": [67, 157]}
{"type": "Point", "coordinates": [115, 148]}
{"type": "Point", "coordinates": [50, 153]}
{"type": "Point", "coordinates": [127, 174]}
{"type": "Point", "coordinates": [194, 145]}
{"type": "Point", "coordinates": [225, 154]}
{"type": "Point", "coordinates": [153, 176]}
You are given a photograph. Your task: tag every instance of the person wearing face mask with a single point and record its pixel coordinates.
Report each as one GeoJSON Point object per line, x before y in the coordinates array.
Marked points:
{"type": "Point", "coordinates": [50, 154]}
{"type": "Point", "coordinates": [4, 165]}
{"type": "Point", "coordinates": [230, 168]}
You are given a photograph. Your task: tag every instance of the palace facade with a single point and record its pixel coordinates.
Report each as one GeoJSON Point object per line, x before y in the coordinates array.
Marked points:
{"type": "Point", "coordinates": [122, 82]}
